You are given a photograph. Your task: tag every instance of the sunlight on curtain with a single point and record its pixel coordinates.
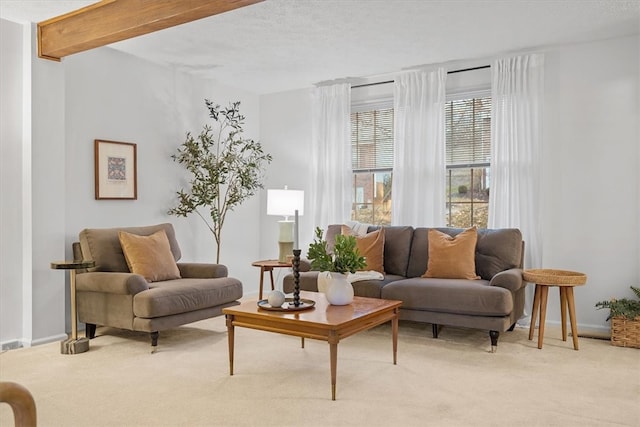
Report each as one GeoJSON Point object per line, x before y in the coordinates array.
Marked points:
{"type": "Point", "coordinates": [418, 186]}
{"type": "Point", "coordinates": [516, 137]}
{"type": "Point", "coordinates": [330, 161]}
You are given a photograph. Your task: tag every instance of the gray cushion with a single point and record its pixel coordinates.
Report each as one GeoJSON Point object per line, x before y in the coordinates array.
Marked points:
{"type": "Point", "coordinates": [497, 250]}
{"type": "Point", "coordinates": [397, 248]}
{"type": "Point", "coordinates": [102, 245]}
{"type": "Point", "coordinates": [467, 297]}
{"type": "Point", "coordinates": [419, 252]}
{"type": "Point", "coordinates": [184, 295]}
{"type": "Point", "coordinates": [373, 288]}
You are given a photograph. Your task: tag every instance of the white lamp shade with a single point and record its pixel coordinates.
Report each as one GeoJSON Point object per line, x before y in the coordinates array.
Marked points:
{"type": "Point", "coordinates": [285, 202]}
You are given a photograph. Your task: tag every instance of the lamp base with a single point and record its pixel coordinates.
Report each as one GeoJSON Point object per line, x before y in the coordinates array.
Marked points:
{"type": "Point", "coordinates": [286, 251]}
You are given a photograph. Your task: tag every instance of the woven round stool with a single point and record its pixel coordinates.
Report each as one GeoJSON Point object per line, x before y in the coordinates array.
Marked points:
{"type": "Point", "coordinates": [565, 280]}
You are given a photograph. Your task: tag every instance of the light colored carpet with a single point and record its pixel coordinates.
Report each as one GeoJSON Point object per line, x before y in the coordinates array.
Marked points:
{"type": "Point", "coordinates": [449, 381]}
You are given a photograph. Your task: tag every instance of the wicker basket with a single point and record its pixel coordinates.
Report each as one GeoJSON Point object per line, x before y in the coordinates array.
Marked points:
{"type": "Point", "coordinates": [625, 332]}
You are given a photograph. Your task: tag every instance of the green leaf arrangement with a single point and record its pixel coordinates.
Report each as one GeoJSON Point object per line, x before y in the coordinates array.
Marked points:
{"type": "Point", "coordinates": [623, 307]}
{"type": "Point", "coordinates": [345, 257]}
{"type": "Point", "coordinates": [225, 169]}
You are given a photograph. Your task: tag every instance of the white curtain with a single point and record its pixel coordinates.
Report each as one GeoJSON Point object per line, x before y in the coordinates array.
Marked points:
{"type": "Point", "coordinates": [516, 138]}
{"type": "Point", "coordinates": [418, 188]}
{"type": "Point", "coordinates": [330, 165]}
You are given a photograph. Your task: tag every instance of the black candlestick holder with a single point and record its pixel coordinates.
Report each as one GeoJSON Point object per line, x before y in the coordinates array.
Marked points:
{"type": "Point", "coordinates": [295, 264]}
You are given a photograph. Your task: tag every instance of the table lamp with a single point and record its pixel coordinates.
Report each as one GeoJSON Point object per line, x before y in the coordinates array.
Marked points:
{"type": "Point", "coordinates": [285, 203]}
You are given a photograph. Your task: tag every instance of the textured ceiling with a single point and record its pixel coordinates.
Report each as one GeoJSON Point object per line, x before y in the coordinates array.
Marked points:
{"type": "Point", "coordinates": [281, 45]}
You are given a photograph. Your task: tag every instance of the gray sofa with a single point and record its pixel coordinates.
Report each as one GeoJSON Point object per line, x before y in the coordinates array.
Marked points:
{"type": "Point", "coordinates": [109, 295]}
{"type": "Point", "coordinates": [494, 303]}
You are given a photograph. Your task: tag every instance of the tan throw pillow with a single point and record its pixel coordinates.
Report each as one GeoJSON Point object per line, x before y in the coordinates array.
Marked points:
{"type": "Point", "coordinates": [370, 246]}
{"type": "Point", "coordinates": [149, 256]}
{"type": "Point", "coordinates": [452, 257]}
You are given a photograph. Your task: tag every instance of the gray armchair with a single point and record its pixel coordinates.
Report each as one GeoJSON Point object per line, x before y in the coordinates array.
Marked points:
{"type": "Point", "coordinates": [110, 295]}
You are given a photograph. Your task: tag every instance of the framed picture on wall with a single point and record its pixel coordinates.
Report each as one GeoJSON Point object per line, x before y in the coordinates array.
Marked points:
{"type": "Point", "coordinates": [115, 170]}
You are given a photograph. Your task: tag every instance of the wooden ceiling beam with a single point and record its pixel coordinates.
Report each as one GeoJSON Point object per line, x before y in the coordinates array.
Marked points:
{"type": "Point", "coordinates": [111, 21]}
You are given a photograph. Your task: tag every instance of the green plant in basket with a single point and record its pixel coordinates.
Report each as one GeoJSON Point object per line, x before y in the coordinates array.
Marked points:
{"type": "Point", "coordinates": [345, 257]}
{"type": "Point", "coordinates": [623, 307]}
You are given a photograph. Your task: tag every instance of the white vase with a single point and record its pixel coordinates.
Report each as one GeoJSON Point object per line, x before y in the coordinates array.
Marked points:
{"type": "Point", "coordinates": [339, 290]}
{"type": "Point", "coordinates": [323, 281]}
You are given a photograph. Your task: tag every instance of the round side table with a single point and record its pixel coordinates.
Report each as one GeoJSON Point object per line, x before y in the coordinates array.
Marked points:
{"type": "Point", "coordinates": [268, 266]}
{"type": "Point", "coordinates": [73, 345]}
{"type": "Point", "coordinates": [565, 281]}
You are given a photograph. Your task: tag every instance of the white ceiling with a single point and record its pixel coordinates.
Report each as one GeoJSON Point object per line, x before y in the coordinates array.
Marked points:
{"type": "Point", "coordinates": [280, 45]}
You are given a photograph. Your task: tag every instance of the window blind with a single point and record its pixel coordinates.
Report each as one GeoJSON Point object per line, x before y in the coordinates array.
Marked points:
{"type": "Point", "coordinates": [468, 132]}
{"type": "Point", "coordinates": [372, 139]}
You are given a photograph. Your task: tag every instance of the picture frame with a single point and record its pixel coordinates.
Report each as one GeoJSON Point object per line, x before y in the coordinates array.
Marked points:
{"type": "Point", "coordinates": [116, 170]}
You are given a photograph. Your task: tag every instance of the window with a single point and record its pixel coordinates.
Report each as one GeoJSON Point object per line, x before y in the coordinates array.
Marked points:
{"type": "Point", "coordinates": [468, 162]}
{"type": "Point", "coordinates": [468, 151]}
{"type": "Point", "coordinates": [372, 162]}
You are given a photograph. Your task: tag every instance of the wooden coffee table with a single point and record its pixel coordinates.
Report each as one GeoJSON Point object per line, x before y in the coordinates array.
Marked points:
{"type": "Point", "coordinates": [324, 322]}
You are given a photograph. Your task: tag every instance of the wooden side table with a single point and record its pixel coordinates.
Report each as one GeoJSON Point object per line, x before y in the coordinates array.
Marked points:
{"type": "Point", "coordinates": [73, 345]}
{"type": "Point", "coordinates": [565, 281]}
{"type": "Point", "coordinates": [268, 266]}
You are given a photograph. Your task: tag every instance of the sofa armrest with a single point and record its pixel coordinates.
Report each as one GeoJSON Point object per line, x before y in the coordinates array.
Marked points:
{"type": "Point", "coordinates": [111, 283]}
{"type": "Point", "coordinates": [308, 282]}
{"type": "Point", "coordinates": [194, 270]}
{"type": "Point", "coordinates": [509, 279]}
{"type": "Point", "coordinates": [305, 265]}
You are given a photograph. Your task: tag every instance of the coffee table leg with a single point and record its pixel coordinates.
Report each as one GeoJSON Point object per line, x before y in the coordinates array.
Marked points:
{"type": "Point", "coordinates": [333, 356]}
{"type": "Point", "coordinates": [394, 329]}
{"type": "Point", "coordinates": [230, 331]}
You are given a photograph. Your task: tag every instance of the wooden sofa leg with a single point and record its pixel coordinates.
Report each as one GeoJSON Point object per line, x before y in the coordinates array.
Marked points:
{"type": "Point", "coordinates": [494, 340]}
{"type": "Point", "coordinates": [434, 330]}
{"type": "Point", "coordinates": [90, 330]}
{"type": "Point", "coordinates": [512, 328]}
{"type": "Point", "coordinates": [154, 340]}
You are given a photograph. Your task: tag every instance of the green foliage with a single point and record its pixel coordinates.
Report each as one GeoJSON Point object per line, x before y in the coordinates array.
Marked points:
{"type": "Point", "coordinates": [624, 307]}
{"type": "Point", "coordinates": [345, 257]}
{"type": "Point", "coordinates": [225, 168]}
{"type": "Point", "coordinates": [318, 254]}
{"type": "Point", "coordinates": [462, 189]}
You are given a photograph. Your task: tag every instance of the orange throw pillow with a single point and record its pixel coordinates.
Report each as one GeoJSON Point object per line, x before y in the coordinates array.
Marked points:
{"type": "Point", "coordinates": [370, 246]}
{"type": "Point", "coordinates": [149, 256]}
{"type": "Point", "coordinates": [452, 257]}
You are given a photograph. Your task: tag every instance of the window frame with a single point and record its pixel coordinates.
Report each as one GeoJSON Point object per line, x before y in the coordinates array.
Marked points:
{"type": "Point", "coordinates": [459, 96]}
{"type": "Point", "coordinates": [362, 106]}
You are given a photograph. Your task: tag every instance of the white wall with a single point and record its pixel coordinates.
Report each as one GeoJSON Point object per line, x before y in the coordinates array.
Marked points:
{"type": "Point", "coordinates": [285, 131]}
{"type": "Point", "coordinates": [103, 94]}
{"type": "Point", "coordinates": [591, 167]}
{"type": "Point", "coordinates": [591, 170]}
{"type": "Point", "coordinates": [11, 243]}
{"type": "Point", "coordinates": [46, 213]}
{"type": "Point", "coordinates": [33, 204]}
{"type": "Point", "coordinates": [115, 96]}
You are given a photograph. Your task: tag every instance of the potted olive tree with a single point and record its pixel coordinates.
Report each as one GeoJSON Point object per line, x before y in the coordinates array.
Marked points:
{"type": "Point", "coordinates": [226, 169]}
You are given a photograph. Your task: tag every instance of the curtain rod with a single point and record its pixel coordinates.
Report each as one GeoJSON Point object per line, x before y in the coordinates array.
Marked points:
{"type": "Point", "coordinates": [448, 72]}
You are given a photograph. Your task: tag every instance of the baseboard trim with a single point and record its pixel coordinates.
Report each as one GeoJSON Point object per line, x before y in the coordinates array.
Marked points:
{"type": "Point", "coordinates": [11, 345]}
{"type": "Point", "coordinates": [52, 338]}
